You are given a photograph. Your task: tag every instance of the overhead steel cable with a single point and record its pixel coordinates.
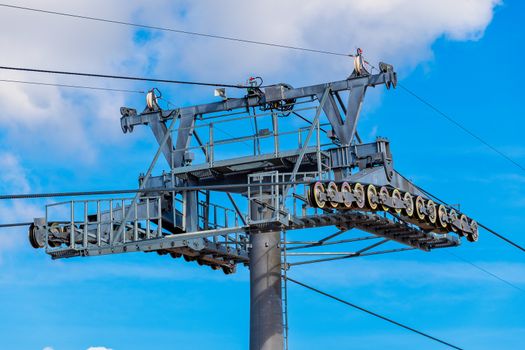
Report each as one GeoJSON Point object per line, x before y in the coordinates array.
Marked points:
{"type": "Point", "coordinates": [487, 272]}
{"type": "Point", "coordinates": [461, 126]}
{"type": "Point", "coordinates": [122, 77]}
{"type": "Point", "coordinates": [230, 85]}
{"type": "Point", "coordinates": [179, 31]}
{"type": "Point", "coordinates": [15, 224]}
{"type": "Point", "coordinates": [480, 225]}
{"type": "Point", "coordinates": [500, 236]}
{"type": "Point", "coordinates": [66, 194]}
{"type": "Point", "coordinates": [148, 190]}
{"type": "Point", "coordinates": [70, 86]}
{"type": "Point", "coordinates": [384, 318]}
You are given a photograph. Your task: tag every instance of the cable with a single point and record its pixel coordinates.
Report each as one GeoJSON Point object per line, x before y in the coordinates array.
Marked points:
{"type": "Point", "coordinates": [502, 237]}
{"type": "Point", "coordinates": [179, 31]}
{"type": "Point", "coordinates": [372, 313]}
{"type": "Point", "coordinates": [123, 77]}
{"type": "Point", "coordinates": [16, 224]}
{"type": "Point", "coordinates": [486, 271]}
{"type": "Point", "coordinates": [306, 120]}
{"type": "Point", "coordinates": [218, 84]}
{"type": "Point", "coordinates": [69, 86]}
{"type": "Point", "coordinates": [459, 125]}
{"type": "Point", "coordinates": [230, 85]}
{"type": "Point", "coordinates": [230, 135]}
{"type": "Point", "coordinates": [65, 194]}
{"type": "Point", "coordinates": [479, 224]}
{"type": "Point", "coordinates": [149, 190]}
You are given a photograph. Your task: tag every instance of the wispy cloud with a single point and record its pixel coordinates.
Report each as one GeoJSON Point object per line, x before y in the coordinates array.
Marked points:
{"type": "Point", "coordinates": [413, 272]}
{"type": "Point", "coordinates": [80, 269]}
{"type": "Point", "coordinates": [64, 122]}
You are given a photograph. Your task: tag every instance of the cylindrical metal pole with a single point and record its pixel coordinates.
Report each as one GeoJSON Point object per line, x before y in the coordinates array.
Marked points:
{"type": "Point", "coordinates": [266, 318]}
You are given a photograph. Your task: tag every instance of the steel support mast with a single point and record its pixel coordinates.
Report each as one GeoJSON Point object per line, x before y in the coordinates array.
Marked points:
{"type": "Point", "coordinates": [296, 162]}
{"type": "Point", "coordinates": [266, 322]}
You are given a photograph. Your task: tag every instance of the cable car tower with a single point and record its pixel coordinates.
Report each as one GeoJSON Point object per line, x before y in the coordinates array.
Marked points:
{"type": "Point", "coordinates": [245, 172]}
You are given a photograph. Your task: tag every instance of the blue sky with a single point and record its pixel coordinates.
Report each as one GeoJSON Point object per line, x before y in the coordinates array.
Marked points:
{"type": "Point", "coordinates": [465, 57]}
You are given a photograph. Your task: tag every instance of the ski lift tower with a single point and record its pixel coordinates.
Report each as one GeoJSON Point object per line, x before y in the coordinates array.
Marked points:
{"type": "Point", "coordinates": [242, 173]}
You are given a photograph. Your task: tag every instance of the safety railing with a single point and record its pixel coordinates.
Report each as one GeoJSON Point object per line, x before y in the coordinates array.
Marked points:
{"type": "Point", "coordinates": [263, 198]}
{"type": "Point", "coordinates": [259, 134]}
{"type": "Point", "coordinates": [82, 223]}
{"type": "Point", "coordinates": [295, 201]}
{"type": "Point", "coordinates": [214, 216]}
{"type": "Point", "coordinates": [281, 204]}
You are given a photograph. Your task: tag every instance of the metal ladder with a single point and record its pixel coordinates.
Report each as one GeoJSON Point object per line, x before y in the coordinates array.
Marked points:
{"type": "Point", "coordinates": [284, 290]}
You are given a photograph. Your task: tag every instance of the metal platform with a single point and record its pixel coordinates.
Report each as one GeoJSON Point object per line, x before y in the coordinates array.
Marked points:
{"type": "Point", "coordinates": [379, 225]}
{"type": "Point", "coordinates": [239, 167]}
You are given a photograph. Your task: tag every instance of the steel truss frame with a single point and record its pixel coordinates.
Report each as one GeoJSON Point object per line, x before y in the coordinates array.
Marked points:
{"type": "Point", "coordinates": [262, 194]}
{"type": "Point", "coordinates": [190, 231]}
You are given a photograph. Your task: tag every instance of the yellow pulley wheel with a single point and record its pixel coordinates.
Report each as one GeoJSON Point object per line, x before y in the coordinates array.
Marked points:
{"type": "Point", "coordinates": [442, 216]}
{"type": "Point", "coordinates": [331, 191]}
{"type": "Point", "coordinates": [359, 194]}
{"type": "Point", "coordinates": [452, 217]}
{"type": "Point", "coordinates": [371, 197]}
{"type": "Point", "coordinates": [317, 189]}
{"type": "Point", "coordinates": [420, 205]}
{"type": "Point", "coordinates": [464, 224]}
{"type": "Point", "coordinates": [409, 204]}
{"type": "Point", "coordinates": [473, 235]}
{"type": "Point", "coordinates": [310, 195]}
{"type": "Point", "coordinates": [345, 188]}
{"type": "Point", "coordinates": [432, 211]}
{"type": "Point", "coordinates": [396, 195]}
{"type": "Point", "coordinates": [383, 194]}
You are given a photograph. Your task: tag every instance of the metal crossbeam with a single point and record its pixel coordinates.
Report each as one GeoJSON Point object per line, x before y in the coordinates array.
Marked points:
{"type": "Point", "coordinates": [165, 139]}
{"type": "Point", "coordinates": [353, 255]}
{"type": "Point", "coordinates": [321, 243]}
{"type": "Point", "coordinates": [315, 124]}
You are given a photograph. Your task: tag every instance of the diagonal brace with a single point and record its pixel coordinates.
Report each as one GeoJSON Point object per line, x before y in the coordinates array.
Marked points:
{"type": "Point", "coordinates": [315, 123]}
{"type": "Point", "coordinates": [144, 181]}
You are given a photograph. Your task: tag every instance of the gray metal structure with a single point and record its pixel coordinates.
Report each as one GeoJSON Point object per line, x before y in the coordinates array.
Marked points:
{"type": "Point", "coordinates": [240, 173]}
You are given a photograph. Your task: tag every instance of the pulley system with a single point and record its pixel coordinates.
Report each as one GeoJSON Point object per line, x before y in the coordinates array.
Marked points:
{"type": "Point", "coordinates": [415, 209]}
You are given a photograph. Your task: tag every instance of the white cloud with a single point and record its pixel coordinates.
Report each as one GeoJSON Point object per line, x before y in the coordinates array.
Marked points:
{"type": "Point", "coordinates": [162, 268]}
{"type": "Point", "coordinates": [48, 348]}
{"type": "Point", "coordinates": [358, 273]}
{"type": "Point", "coordinates": [73, 126]}
{"type": "Point", "coordinates": [67, 123]}
{"type": "Point", "coordinates": [98, 348]}
{"type": "Point", "coordinates": [373, 132]}
{"type": "Point", "coordinates": [370, 272]}
{"type": "Point", "coordinates": [400, 31]}
{"type": "Point", "coordinates": [13, 175]}
{"type": "Point", "coordinates": [14, 179]}
{"type": "Point", "coordinates": [8, 242]}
